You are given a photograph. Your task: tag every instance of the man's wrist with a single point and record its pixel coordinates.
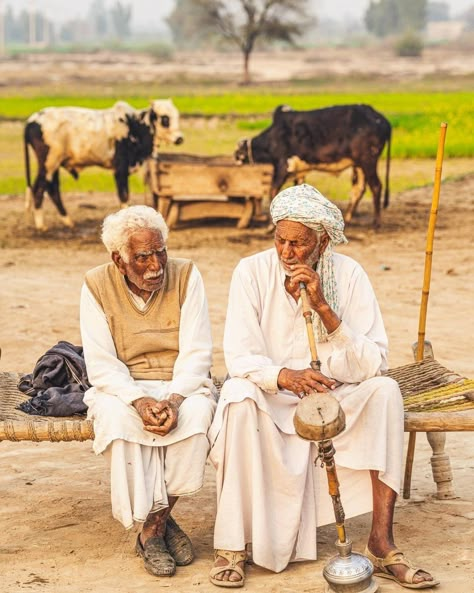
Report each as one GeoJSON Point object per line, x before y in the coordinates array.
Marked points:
{"type": "Point", "coordinates": [281, 380]}
{"type": "Point", "coordinates": [330, 319]}
{"type": "Point", "coordinates": [136, 402]}
{"type": "Point", "coordinates": [176, 399]}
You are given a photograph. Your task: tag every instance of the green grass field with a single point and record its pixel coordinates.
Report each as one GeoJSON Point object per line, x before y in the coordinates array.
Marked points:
{"type": "Point", "coordinates": [414, 116]}
{"type": "Point", "coordinates": [215, 117]}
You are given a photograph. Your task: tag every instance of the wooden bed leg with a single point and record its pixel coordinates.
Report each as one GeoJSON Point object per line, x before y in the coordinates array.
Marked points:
{"type": "Point", "coordinates": [409, 465]}
{"type": "Point", "coordinates": [441, 466]}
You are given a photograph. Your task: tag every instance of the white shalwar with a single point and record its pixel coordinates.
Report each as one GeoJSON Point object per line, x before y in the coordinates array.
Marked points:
{"type": "Point", "coordinates": [146, 468]}
{"type": "Point", "coordinates": [270, 492]}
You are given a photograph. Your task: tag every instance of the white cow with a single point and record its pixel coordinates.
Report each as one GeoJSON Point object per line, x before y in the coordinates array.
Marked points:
{"type": "Point", "coordinates": [119, 138]}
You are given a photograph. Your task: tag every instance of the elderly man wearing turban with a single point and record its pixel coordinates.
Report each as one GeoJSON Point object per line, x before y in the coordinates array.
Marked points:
{"type": "Point", "coordinates": [270, 493]}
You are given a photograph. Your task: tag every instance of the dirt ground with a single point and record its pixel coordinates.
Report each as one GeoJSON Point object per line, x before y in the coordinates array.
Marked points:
{"type": "Point", "coordinates": [58, 535]}
{"type": "Point", "coordinates": [106, 68]}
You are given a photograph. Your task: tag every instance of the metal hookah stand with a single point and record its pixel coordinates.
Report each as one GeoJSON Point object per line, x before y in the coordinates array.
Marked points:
{"type": "Point", "coordinates": [319, 418]}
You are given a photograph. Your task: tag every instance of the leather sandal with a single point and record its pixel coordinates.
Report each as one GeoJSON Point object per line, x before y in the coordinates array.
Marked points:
{"type": "Point", "coordinates": [232, 559]}
{"type": "Point", "coordinates": [178, 543]}
{"type": "Point", "coordinates": [396, 557]}
{"type": "Point", "coordinates": [156, 557]}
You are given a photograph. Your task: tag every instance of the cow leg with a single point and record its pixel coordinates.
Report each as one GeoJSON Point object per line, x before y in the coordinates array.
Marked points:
{"type": "Point", "coordinates": [279, 176]}
{"type": "Point", "coordinates": [376, 188]}
{"type": "Point", "coordinates": [39, 187]}
{"type": "Point", "coordinates": [357, 191]}
{"type": "Point", "coordinates": [55, 195]}
{"type": "Point", "coordinates": [121, 182]}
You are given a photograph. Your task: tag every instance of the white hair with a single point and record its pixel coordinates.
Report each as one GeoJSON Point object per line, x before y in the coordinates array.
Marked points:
{"type": "Point", "coordinates": [118, 227]}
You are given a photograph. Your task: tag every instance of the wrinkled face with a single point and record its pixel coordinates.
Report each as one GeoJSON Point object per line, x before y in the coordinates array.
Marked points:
{"type": "Point", "coordinates": [165, 117]}
{"type": "Point", "coordinates": [147, 257]}
{"type": "Point", "coordinates": [296, 243]}
{"type": "Point", "coordinates": [241, 154]}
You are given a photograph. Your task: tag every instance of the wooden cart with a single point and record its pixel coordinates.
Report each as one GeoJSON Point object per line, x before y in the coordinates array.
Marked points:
{"type": "Point", "coordinates": [189, 187]}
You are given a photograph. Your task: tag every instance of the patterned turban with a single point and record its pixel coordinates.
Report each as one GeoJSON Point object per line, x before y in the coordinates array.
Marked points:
{"type": "Point", "coordinates": [305, 204]}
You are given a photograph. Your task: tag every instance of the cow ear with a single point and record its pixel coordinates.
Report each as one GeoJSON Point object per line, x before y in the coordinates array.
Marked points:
{"type": "Point", "coordinates": [280, 110]}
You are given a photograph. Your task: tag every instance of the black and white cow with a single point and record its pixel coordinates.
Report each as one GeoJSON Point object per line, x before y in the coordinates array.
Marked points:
{"type": "Point", "coordinates": [119, 138]}
{"type": "Point", "coordinates": [330, 139]}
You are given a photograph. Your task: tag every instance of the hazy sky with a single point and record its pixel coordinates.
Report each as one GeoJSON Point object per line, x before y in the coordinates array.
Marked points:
{"type": "Point", "coordinates": [149, 13]}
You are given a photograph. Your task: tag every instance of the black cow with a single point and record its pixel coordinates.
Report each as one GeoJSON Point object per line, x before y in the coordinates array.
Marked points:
{"type": "Point", "coordinates": [119, 138]}
{"type": "Point", "coordinates": [330, 139]}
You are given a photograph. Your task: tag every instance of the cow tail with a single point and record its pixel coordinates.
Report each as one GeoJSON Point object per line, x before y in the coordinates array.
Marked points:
{"type": "Point", "coordinates": [28, 191]}
{"type": "Point", "coordinates": [387, 173]}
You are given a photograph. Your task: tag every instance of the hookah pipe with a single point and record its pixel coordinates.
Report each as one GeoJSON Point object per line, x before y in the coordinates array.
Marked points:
{"type": "Point", "coordinates": [319, 417]}
{"type": "Point", "coordinates": [308, 316]}
{"type": "Point", "coordinates": [325, 446]}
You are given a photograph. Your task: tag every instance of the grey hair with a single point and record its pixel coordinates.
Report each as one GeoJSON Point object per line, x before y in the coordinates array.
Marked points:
{"type": "Point", "coordinates": [118, 227]}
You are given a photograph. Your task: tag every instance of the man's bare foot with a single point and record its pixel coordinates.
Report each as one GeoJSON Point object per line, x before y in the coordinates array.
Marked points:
{"type": "Point", "coordinates": [155, 525]}
{"type": "Point", "coordinates": [392, 563]}
{"type": "Point", "coordinates": [228, 569]}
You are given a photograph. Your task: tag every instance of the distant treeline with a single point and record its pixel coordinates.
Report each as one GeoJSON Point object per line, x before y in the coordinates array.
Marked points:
{"type": "Point", "coordinates": [34, 28]}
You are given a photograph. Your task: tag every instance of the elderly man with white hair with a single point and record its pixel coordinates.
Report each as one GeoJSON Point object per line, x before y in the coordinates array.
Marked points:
{"type": "Point", "coordinates": [270, 493]}
{"type": "Point", "coordinates": [147, 346]}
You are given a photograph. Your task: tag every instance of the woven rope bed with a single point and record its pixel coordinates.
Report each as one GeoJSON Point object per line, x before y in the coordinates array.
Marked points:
{"type": "Point", "coordinates": [435, 400]}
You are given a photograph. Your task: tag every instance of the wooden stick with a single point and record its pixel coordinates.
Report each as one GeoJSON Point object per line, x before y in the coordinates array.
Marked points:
{"type": "Point", "coordinates": [308, 315]}
{"type": "Point", "coordinates": [420, 345]}
{"type": "Point", "coordinates": [429, 243]}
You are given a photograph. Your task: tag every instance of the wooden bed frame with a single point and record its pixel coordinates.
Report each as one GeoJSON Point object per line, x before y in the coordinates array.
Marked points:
{"type": "Point", "coordinates": [436, 401]}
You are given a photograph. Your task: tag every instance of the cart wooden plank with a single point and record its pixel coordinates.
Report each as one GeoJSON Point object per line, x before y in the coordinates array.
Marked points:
{"type": "Point", "coordinates": [193, 187]}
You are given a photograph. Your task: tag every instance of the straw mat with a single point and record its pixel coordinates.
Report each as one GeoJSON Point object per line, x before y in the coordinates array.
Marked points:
{"type": "Point", "coordinates": [429, 386]}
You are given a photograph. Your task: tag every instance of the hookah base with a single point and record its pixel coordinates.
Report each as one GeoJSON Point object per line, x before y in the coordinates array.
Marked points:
{"type": "Point", "coordinates": [370, 587]}
{"type": "Point", "coordinates": [349, 572]}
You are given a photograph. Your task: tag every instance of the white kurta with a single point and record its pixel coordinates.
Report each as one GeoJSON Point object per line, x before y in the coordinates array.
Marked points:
{"type": "Point", "coordinates": [269, 491]}
{"type": "Point", "coordinates": [116, 420]}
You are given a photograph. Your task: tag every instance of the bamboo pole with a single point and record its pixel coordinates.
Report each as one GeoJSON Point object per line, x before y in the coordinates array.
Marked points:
{"type": "Point", "coordinates": [420, 345]}
{"type": "Point", "coordinates": [51, 430]}
{"type": "Point", "coordinates": [429, 243]}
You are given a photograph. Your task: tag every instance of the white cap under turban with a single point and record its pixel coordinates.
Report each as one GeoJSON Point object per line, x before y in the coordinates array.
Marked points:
{"type": "Point", "coordinates": [305, 204]}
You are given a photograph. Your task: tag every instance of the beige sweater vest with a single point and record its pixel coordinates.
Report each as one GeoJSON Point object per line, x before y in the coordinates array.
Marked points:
{"type": "Point", "coordinates": [146, 341]}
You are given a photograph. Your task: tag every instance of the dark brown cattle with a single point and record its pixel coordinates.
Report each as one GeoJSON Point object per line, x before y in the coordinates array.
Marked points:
{"type": "Point", "coordinates": [330, 139]}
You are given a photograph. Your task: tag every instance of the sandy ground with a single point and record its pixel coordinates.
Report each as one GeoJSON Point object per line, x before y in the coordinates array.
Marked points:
{"type": "Point", "coordinates": [58, 535]}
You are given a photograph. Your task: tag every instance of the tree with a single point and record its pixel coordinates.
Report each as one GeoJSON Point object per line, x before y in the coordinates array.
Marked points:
{"type": "Point", "coordinates": [469, 18]}
{"type": "Point", "coordinates": [189, 24]}
{"type": "Point", "coordinates": [243, 22]}
{"type": "Point", "coordinates": [121, 15]}
{"type": "Point", "coordinates": [437, 11]}
{"type": "Point", "coordinates": [386, 17]}
{"type": "Point", "coordinates": [98, 17]}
